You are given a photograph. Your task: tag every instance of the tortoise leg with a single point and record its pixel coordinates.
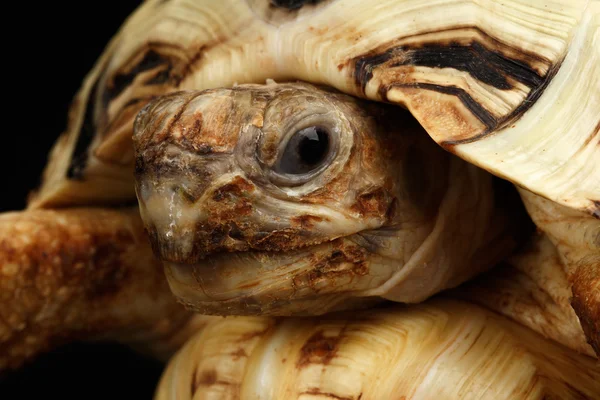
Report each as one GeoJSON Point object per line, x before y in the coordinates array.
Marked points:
{"type": "Point", "coordinates": [532, 288]}
{"type": "Point", "coordinates": [576, 235]}
{"type": "Point", "coordinates": [82, 273]}
{"type": "Point", "coordinates": [552, 285]}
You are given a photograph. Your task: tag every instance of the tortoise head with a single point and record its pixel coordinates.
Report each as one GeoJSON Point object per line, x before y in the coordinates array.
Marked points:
{"type": "Point", "coordinates": [294, 199]}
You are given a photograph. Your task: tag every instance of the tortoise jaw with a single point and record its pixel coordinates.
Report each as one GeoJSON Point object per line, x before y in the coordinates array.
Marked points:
{"type": "Point", "coordinates": [225, 253]}
{"type": "Point", "coordinates": [307, 281]}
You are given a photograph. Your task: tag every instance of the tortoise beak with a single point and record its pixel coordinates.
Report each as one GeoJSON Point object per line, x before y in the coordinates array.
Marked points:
{"type": "Point", "coordinates": [184, 145]}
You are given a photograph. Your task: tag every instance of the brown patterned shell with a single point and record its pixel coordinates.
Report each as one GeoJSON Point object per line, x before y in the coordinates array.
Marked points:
{"type": "Point", "coordinates": [512, 86]}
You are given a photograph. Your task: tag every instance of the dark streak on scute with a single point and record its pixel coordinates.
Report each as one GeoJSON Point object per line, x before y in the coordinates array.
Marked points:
{"type": "Point", "coordinates": [468, 57]}
{"type": "Point", "coordinates": [517, 113]}
{"type": "Point", "coordinates": [532, 96]}
{"type": "Point", "coordinates": [292, 4]}
{"type": "Point", "coordinates": [86, 136]}
{"type": "Point", "coordinates": [516, 69]}
{"type": "Point", "coordinates": [473, 106]}
{"type": "Point", "coordinates": [363, 67]}
{"type": "Point", "coordinates": [593, 134]}
{"type": "Point", "coordinates": [120, 81]}
{"type": "Point", "coordinates": [596, 211]}
{"type": "Point", "coordinates": [138, 100]}
{"type": "Point", "coordinates": [318, 349]}
{"type": "Point", "coordinates": [160, 78]}
{"type": "Point", "coordinates": [487, 66]}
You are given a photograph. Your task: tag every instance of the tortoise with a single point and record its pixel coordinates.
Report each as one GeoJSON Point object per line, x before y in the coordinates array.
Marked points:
{"type": "Point", "coordinates": [375, 170]}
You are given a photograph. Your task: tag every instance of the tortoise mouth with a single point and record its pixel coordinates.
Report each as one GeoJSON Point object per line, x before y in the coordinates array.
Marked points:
{"type": "Point", "coordinates": [310, 280]}
{"type": "Point", "coordinates": [347, 272]}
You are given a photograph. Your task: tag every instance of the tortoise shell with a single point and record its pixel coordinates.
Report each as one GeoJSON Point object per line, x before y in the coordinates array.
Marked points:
{"type": "Point", "coordinates": [509, 86]}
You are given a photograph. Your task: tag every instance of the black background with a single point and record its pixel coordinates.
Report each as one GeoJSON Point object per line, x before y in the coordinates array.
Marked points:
{"type": "Point", "coordinates": [47, 49]}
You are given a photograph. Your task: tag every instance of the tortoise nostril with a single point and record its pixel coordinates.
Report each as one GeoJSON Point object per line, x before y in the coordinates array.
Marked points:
{"type": "Point", "coordinates": [183, 193]}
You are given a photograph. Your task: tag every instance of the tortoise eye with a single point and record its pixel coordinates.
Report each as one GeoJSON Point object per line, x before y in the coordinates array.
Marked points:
{"type": "Point", "coordinates": [305, 151]}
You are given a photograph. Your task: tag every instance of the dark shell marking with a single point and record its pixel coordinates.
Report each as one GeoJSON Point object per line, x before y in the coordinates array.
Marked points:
{"type": "Point", "coordinates": [122, 80]}
{"type": "Point", "coordinates": [596, 210]}
{"type": "Point", "coordinates": [292, 4]}
{"type": "Point", "coordinates": [167, 65]}
{"type": "Point", "coordinates": [276, 12]}
{"type": "Point", "coordinates": [94, 116]}
{"type": "Point", "coordinates": [483, 57]}
{"type": "Point", "coordinates": [488, 66]}
{"type": "Point", "coordinates": [85, 137]}
{"type": "Point", "coordinates": [319, 349]}
{"type": "Point", "coordinates": [465, 98]}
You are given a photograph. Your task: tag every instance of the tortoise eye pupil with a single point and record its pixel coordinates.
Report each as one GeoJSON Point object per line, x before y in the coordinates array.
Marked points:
{"type": "Point", "coordinates": [313, 145]}
{"type": "Point", "coordinates": [306, 150]}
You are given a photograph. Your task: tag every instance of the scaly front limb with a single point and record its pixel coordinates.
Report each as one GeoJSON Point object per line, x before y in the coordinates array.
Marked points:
{"type": "Point", "coordinates": [576, 236]}
{"type": "Point", "coordinates": [532, 288]}
{"type": "Point", "coordinates": [552, 285]}
{"type": "Point", "coordinates": [82, 273]}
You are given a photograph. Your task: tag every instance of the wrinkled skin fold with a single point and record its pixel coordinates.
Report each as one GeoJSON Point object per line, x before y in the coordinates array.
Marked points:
{"type": "Point", "coordinates": [386, 213]}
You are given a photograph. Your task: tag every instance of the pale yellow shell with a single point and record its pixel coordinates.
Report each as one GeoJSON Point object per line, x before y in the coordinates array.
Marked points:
{"type": "Point", "coordinates": [442, 349]}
